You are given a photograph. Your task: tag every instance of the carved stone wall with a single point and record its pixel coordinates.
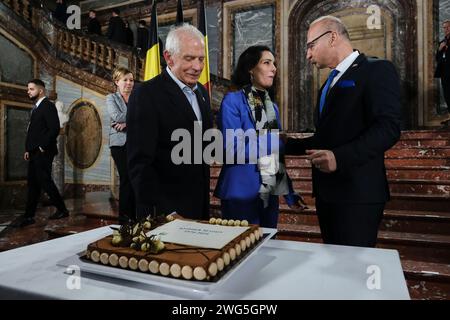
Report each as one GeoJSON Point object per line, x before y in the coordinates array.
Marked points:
{"type": "Point", "coordinates": [395, 41]}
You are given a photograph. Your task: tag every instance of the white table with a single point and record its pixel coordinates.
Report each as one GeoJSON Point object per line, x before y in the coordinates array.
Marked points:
{"type": "Point", "coordinates": [278, 270]}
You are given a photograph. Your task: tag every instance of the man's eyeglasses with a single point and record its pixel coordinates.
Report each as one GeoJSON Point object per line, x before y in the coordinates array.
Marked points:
{"type": "Point", "coordinates": [312, 43]}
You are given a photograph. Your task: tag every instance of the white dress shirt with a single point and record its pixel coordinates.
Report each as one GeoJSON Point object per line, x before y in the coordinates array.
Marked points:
{"type": "Point", "coordinates": [189, 93]}
{"type": "Point", "coordinates": [344, 65]}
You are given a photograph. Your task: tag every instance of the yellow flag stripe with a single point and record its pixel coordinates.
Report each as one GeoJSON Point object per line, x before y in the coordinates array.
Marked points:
{"type": "Point", "coordinates": [204, 77]}
{"type": "Point", "coordinates": [152, 63]}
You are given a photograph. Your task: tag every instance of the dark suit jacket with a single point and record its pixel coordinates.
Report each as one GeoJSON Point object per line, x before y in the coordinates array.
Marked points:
{"type": "Point", "coordinates": [116, 30]}
{"type": "Point", "coordinates": [94, 27]}
{"type": "Point", "coordinates": [155, 110]}
{"type": "Point", "coordinates": [142, 38]}
{"type": "Point", "coordinates": [43, 129]}
{"type": "Point", "coordinates": [359, 122]}
{"type": "Point", "coordinates": [443, 63]}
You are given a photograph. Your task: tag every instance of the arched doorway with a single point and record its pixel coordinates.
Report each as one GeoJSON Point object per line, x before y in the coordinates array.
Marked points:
{"type": "Point", "coordinates": [393, 40]}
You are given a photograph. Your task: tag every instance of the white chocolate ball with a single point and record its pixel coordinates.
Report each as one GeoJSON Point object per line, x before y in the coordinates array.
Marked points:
{"type": "Point", "coordinates": [237, 247]}
{"type": "Point", "coordinates": [133, 263]}
{"type": "Point", "coordinates": [218, 221]}
{"type": "Point", "coordinates": [123, 262]}
{"type": "Point", "coordinates": [248, 241]}
{"type": "Point", "coordinates": [153, 266]}
{"type": "Point", "coordinates": [243, 245]}
{"type": "Point", "coordinates": [95, 256]}
{"type": "Point", "coordinates": [244, 223]}
{"type": "Point", "coordinates": [199, 273]}
{"type": "Point", "coordinates": [226, 258]}
{"type": "Point", "coordinates": [175, 270]}
{"type": "Point", "coordinates": [252, 238]}
{"type": "Point", "coordinates": [186, 272]}
{"type": "Point", "coordinates": [113, 260]}
{"type": "Point", "coordinates": [237, 223]}
{"type": "Point", "coordinates": [143, 265]}
{"type": "Point", "coordinates": [164, 269]}
{"type": "Point", "coordinates": [220, 264]}
{"type": "Point", "coordinates": [232, 253]}
{"type": "Point", "coordinates": [212, 269]}
{"type": "Point", "coordinates": [212, 220]}
{"type": "Point", "coordinates": [224, 222]}
{"type": "Point", "coordinates": [231, 222]}
{"type": "Point", "coordinates": [104, 258]}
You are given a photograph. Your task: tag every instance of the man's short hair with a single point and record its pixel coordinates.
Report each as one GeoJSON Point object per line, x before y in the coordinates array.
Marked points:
{"type": "Point", "coordinates": [173, 42]}
{"type": "Point", "coordinates": [93, 11]}
{"type": "Point", "coordinates": [38, 82]}
{"type": "Point", "coordinates": [116, 11]}
{"type": "Point", "coordinates": [332, 23]}
{"type": "Point", "coordinates": [142, 23]}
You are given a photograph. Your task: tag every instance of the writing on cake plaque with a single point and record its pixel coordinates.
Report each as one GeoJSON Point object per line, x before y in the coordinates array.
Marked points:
{"type": "Point", "coordinates": [202, 235]}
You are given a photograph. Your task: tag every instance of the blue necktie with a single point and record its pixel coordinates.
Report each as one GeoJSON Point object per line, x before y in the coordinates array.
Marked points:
{"type": "Point", "coordinates": [333, 74]}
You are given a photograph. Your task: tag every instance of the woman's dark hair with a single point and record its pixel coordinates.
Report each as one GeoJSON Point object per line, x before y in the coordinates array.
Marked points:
{"type": "Point", "coordinates": [246, 62]}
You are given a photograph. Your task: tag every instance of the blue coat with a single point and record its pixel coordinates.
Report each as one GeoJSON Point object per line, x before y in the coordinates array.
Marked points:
{"type": "Point", "coordinates": [242, 181]}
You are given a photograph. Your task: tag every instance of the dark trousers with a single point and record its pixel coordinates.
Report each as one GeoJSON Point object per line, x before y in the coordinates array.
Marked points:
{"type": "Point", "coordinates": [252, 210]}
{"type": "Point", "coordinates": [349, 224]}
{"type": "Point", "coordinates": [127, 203]}
{"type": "Point", "coordinates": [40, 177]}
{"type": "Point", "coordinates": [446, 90]}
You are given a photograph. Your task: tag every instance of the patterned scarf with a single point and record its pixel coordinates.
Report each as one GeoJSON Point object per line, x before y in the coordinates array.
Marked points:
{"type": "Point", "coordinates": [265, 119]}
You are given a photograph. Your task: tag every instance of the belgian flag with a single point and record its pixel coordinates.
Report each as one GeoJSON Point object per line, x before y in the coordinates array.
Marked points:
{"type": "Point", "coordinates": [180, 19]}
{"type": "Point", "coordinates": [204, 77]}
{"type": "Point", "coordinates": [152, 60]}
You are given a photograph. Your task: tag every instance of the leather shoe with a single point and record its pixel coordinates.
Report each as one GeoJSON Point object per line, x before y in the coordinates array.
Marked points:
{"type": "Point", "coordinates": [59, 215]}
{"type": "Point", "coordinates": [22, 222]}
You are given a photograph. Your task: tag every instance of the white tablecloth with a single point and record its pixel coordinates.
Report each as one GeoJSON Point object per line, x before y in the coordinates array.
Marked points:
{"type": "Point", "coordinates": [278, 270]}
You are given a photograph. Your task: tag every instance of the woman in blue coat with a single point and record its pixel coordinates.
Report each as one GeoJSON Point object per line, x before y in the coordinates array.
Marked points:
{"type": "Point", "coordinates": [253, 175]}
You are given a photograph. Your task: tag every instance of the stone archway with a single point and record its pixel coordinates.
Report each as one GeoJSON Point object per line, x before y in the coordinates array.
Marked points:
{"type": "Point", "coordinates": [394, 41]}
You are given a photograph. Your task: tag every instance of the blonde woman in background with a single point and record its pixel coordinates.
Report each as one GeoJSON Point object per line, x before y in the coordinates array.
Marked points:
{"type": "Point", "coordinates": [117, 105]}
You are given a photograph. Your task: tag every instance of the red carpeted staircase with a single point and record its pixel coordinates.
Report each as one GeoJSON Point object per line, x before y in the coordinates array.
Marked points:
{"type": "Point", "coordinates": [416, 220]}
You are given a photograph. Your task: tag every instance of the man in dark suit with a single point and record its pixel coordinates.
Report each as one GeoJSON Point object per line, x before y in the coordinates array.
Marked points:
{"type": "Point", "coordinates": [142, 38]}
{"type": "Point", "coordinates": [357, 120]}
{"type": "Point", "coordinates": [173, 100]}
{"type": "Point", "coordinates": [94, 26]}
{"type": "Point", "coordinates": [116, 28]}
{"type": "Point", "coordinates": [443, 63]}
{"type": "Point", "coordinates": [41, 148]}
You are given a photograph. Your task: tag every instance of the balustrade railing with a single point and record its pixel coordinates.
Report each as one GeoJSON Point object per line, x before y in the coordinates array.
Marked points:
{"type": "Point", "coordinates": [91, 49]}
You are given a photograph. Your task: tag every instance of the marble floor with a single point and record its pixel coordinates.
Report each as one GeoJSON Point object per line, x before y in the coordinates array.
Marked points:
{"type": "Point", "coordinates": [96, 204]}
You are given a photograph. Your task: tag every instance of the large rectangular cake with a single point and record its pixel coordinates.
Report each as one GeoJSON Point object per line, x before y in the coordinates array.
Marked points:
{"type": "Point", "coordinates": [191, 250]}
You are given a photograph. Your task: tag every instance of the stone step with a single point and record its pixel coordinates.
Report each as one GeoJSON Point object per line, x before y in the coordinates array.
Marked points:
{"type": "Point", "coordinates": [434, 173]}
{"type": "Point", "coordinates": [427, 280]}
{"type": "Point", "coordinates": [411, 246]}
{"type": "Point", "coordinates": [419, 153]}
{"type": "Point", "coordinates": [419, 172]}
{"type": "Point", "coordinates": [418, 186]}
{"type": "Point", "coordinates": [398, 201]}
{"type": "Point", "coordinates": [422, 143]}
{"type": "Point", "coordinates": [405, 135]}
{"type": "Point", "coordinates": [425, 134]}
{"type": "Point", "coordinates": [424, 162]}
{"type": "Point", "coordinates": [393, 220]}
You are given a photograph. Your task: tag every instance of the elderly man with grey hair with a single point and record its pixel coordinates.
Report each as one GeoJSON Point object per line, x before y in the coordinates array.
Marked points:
{"type": "Point", "coordinates": [170, 101]}
{"type": "Point", "coordinates": [357, 119]}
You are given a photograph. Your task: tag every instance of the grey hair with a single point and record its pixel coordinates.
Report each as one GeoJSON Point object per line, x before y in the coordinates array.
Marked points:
{"type": "Point", "coordinates": [173, 44]}
{"type": "Point", "coordinates": [332, 23]}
